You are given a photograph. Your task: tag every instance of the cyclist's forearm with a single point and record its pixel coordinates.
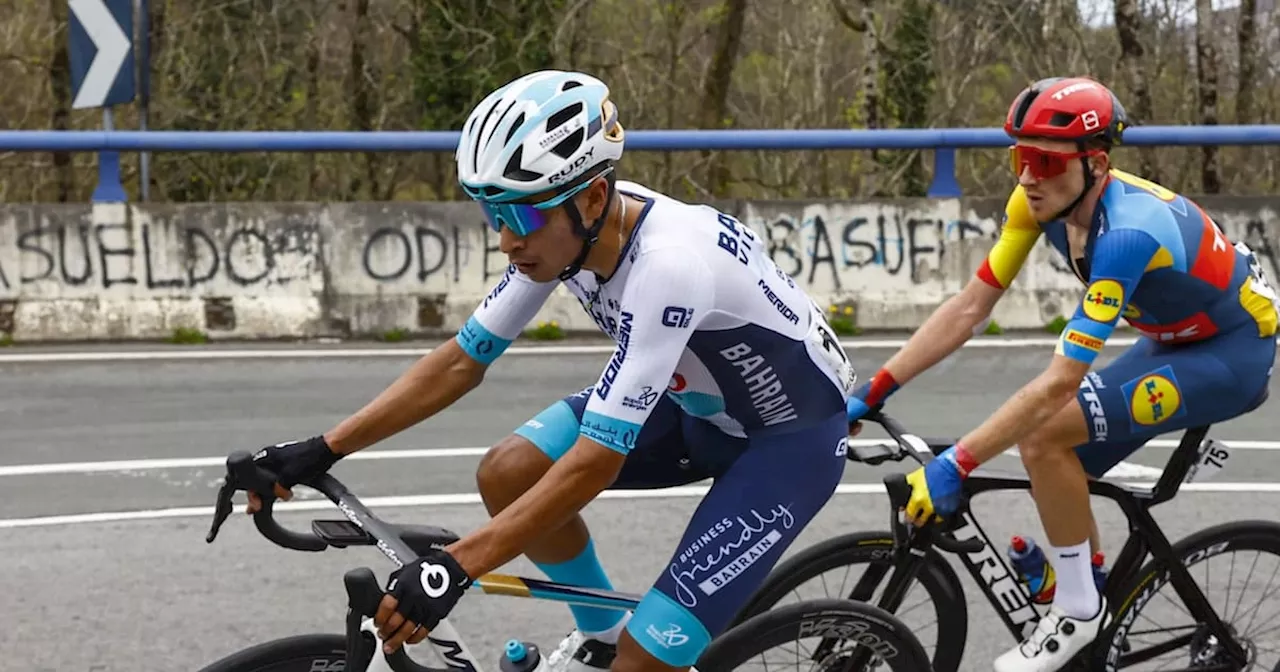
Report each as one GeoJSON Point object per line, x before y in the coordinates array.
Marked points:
{"type": "Point", "coordinates": [570, 484]}
{"type": "Point", "coordinates": [435, 381]}
{"type": "Point", "coordinates": [948, 328]}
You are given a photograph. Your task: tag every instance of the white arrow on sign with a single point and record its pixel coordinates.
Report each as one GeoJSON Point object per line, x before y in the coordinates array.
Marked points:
{"type": "Point", "coordinates": [113, 47]}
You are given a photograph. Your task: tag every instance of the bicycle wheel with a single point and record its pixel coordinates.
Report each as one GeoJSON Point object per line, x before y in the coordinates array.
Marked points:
{"type": "Point", "coordinates": [874, 550]}
{"type": "Point", "coordinates": [1250, 614]}
{"type": "Point", "coordinates": [303, 653]}
{"type": "Point", "coordinates": [850, 629]}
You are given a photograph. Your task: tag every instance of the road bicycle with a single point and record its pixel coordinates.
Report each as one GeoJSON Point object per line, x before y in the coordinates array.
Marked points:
{"type": "Point", "coordinates": [910, 557]}
{"type": "Point", "coordinates": [869, 628]}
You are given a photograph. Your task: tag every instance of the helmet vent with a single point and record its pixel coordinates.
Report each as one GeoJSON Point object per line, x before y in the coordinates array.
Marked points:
{"type": "Point", "coordinates": [565, 148]}
{"type": "Point", "coordinates": [571, 84]}
{"type": "Point", "coordinates": [515, 126]}
{"type": "Point", "coordinates": [515, 172]}
{"type": "Point", "coordinates": [563, 116]}
{"type": "Point", "coordinates": [1061, 119]}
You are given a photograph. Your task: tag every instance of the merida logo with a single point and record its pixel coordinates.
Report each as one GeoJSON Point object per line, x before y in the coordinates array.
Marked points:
{"type": "Point", "coordinates": [615, 364]}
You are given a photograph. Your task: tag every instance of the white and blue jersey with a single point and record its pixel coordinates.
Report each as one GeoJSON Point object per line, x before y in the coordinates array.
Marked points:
{"type": "Point", "coordinates": [697, 310]}
{"type": "Point", "coordinates": [723, 368]}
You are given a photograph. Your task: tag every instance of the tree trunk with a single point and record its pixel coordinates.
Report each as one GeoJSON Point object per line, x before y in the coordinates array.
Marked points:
{"type": "Point", "coordinates": [1207, 92]}
{"type": "Point", "coordinates": [1128, 23]}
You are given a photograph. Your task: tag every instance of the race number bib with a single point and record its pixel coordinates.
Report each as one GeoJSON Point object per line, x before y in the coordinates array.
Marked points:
{"type": "Point", "coordinates": [1258, 280]}
{"type": "Point", "coordinates": [822, 341]}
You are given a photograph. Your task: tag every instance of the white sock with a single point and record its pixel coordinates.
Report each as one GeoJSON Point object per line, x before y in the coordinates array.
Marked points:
{"type": "Point", "coordinates": [611, 635]}
{"type": "Point", "coordinates": [1076, 593]}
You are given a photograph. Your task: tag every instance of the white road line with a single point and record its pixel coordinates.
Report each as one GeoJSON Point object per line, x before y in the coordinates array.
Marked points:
{"type": "Point", "coordinates": [378, 503]}
{"type": "Point", "coordinates": [98, 355]}
{"type": "Point", "coordinates": [417, 453]}
{"type": "Point", "coordinates": [420, 453]}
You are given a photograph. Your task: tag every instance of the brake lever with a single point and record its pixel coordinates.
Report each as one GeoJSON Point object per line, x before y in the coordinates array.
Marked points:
{"type": "Point", "coordinates": [239, 464]}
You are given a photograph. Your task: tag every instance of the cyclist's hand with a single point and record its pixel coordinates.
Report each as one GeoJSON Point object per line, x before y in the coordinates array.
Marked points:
{"type": "Point", "coordinates": [935, 488]}
{"type": "Point", "coordinates": [292, 462]}
{"type": "Point", "coordinates": [418, 596]}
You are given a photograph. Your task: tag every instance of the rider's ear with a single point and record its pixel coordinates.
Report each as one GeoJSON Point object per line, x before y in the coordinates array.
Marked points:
{"type": "Point", "coordinates": [595, 197]}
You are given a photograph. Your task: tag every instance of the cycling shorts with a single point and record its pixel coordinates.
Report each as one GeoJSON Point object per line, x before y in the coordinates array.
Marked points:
{"type": "Point", "coordinates": [1154, 389]}
{"type": "Point", "coordinates": [766, 490]}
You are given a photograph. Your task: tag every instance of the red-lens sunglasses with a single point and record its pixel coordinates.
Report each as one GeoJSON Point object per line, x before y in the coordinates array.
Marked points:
{"type": "Point", "coordinates": [1043, 164]}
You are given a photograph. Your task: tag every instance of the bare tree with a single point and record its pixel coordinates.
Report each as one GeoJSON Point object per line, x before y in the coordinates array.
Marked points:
{"type": "Point", "coordinates": [1207, 91]}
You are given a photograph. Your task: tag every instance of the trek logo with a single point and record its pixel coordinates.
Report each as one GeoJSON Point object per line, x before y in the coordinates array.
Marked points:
{"type": "Point", "coordinates": [676, 317]}
{"type": "Point", "coordinates": [615, 364]}
{"type": "Point", "coordinates": [571, 169]}
{"type": "Point", "coordinates": [1082, 86]}
{"type": "Point", "coordinates": [1090, 386]}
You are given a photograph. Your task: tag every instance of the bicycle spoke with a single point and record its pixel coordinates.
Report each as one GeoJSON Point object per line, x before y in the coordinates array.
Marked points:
{"type": "Point", "coordinates": [1256, 556]}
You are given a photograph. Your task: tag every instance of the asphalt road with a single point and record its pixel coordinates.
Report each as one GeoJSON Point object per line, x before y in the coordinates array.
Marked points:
{"type": "Point", "coordinates": [150, 594]}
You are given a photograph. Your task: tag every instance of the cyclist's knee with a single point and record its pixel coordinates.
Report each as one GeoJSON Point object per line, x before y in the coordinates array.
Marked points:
{"type": "Point", "coordinates": [1041, 447]}
{"type": "Point", "coordinates": [508, 469]}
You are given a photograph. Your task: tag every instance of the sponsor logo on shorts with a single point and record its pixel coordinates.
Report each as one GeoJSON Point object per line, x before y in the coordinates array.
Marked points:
{"type": "Point", "coordinates": [842, 447]}
{"type": "Point", "coordinates": [1195, 328]}
{"type": "Point", "coordinates": [1083, 340]}
{"type": "Point", "coordinates": [1093, 405]}
{"type": "Point", "coordinates": [1155, 397]}
{"type": "Point", "coordinates": [1103, 299]}
{"type": "Point", "coordinates": [669, 638]}
{"type": "Point", "coordinates": [726, 550]}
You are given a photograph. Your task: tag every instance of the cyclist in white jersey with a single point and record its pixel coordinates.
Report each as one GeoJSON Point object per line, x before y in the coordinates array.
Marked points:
{"type": "Point", "coordinates": [723, 368]}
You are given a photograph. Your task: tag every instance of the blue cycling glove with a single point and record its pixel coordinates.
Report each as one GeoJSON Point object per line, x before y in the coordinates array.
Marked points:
{"type": "Point", "coordinates": [870, 394]}
{"type": "Point", "coordinates": [935, 487]}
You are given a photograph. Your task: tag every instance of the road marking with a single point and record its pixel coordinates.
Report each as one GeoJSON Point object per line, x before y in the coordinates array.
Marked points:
{"type": "Point", "coordinates": [428, 453]}
{"type": "Point", "coordinates": [98, 355]}
{"type": "Point", "coordinates": [404, 501]}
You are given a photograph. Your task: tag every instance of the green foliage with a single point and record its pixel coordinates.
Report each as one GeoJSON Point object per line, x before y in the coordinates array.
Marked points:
{"type": "Point", "coordinates": [1056, 325]}
{"type": "Point", "coordinates": [545, 331]}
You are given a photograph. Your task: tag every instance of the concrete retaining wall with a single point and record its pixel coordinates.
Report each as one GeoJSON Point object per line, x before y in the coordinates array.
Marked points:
{"type": "Point", "coordinates": [72, 272]}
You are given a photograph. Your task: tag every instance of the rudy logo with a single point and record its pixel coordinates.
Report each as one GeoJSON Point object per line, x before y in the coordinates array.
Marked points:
{"type": "Point", "coordinates": [1103, 300]}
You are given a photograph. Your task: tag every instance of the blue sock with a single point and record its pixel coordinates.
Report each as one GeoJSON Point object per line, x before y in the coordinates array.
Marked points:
{"type": "Point", "coordinates": [585, 570]}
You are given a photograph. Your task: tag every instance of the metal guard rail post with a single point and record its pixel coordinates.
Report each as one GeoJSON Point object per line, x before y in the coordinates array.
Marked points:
{"type": "Point", "coordinates": [943, 141]}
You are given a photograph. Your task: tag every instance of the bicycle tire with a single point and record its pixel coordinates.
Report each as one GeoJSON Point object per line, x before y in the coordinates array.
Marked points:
{"type": "Point", "coordinates": [1246, 535]}
{"type": "Point", "coordinates": [868, 625]}
{"type": "Point", "coordinates": [300, 653]}
{"type": "Point", "coordinates": [937, 577]}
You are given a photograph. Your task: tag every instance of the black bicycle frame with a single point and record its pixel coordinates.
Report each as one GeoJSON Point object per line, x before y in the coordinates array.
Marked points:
{"type": "Point", "coordinates": [986, 563]}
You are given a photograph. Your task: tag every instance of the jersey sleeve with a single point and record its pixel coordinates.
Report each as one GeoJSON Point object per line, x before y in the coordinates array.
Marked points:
{"type": "Point", "coordinates": [668, 292]}
{"type": "Point", "coordinates": [1017, 238]}
{"type": "Point", "coordinates": [503, 314]}
{"type": "Point", "coordinates": [1120, 259]}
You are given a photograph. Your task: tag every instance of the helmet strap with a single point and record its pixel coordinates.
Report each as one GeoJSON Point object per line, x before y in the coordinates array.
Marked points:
{"type": "Point", "coordinates": [589, 235]}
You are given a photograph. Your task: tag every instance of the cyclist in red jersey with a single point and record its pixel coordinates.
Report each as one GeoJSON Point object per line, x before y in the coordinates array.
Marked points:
{"type": "Point", "coordinates": [1143, 253]}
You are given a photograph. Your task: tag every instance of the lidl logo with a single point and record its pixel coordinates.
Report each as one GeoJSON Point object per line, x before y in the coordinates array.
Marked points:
{"type": "Point", "coordinates": [1154, 399]}
{"type": "Point", "coordinates": [1102, 300]}
{"type": "Point", "coordinates": [1083, 340]}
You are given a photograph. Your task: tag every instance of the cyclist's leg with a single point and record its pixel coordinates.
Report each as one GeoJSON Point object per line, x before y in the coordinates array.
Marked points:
{"type": "Point", "coordinates": [1172, 388]}
{"type": "Point", "coordinates": [745, 523]}
{"type": "Point", "coordinates": [567, 554]}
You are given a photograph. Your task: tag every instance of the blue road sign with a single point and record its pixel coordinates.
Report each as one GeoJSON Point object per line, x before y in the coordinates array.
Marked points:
{"type": "Point", "coordinates": [101, 52]}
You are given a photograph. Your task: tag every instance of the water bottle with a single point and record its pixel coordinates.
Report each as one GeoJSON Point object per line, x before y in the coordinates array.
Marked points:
{"type": "Point", "coordinates": [1033, 568]}
{"type": "Point", "coordinates": [522, 657]}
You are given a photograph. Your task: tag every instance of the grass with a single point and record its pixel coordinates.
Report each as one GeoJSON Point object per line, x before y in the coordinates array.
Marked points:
{"type": "Point", "coordinates": [545, 331]}
{"type": "Point", "coordinates": [188, 336]}
{"type": "Point", "coordinates": [842, 321]}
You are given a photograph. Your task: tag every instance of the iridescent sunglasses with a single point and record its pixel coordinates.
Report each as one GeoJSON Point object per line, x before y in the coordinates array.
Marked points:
{"type": "Point", "coordinates": [523, 217]}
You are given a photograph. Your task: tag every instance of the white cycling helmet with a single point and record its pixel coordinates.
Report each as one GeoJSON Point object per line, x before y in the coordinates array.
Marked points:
{"type": "Point", "coordinates": [537, 134]}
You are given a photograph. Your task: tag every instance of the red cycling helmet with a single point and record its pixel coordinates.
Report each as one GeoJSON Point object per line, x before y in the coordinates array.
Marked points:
{"type": "Point", "coordinates": [1067, 108]}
